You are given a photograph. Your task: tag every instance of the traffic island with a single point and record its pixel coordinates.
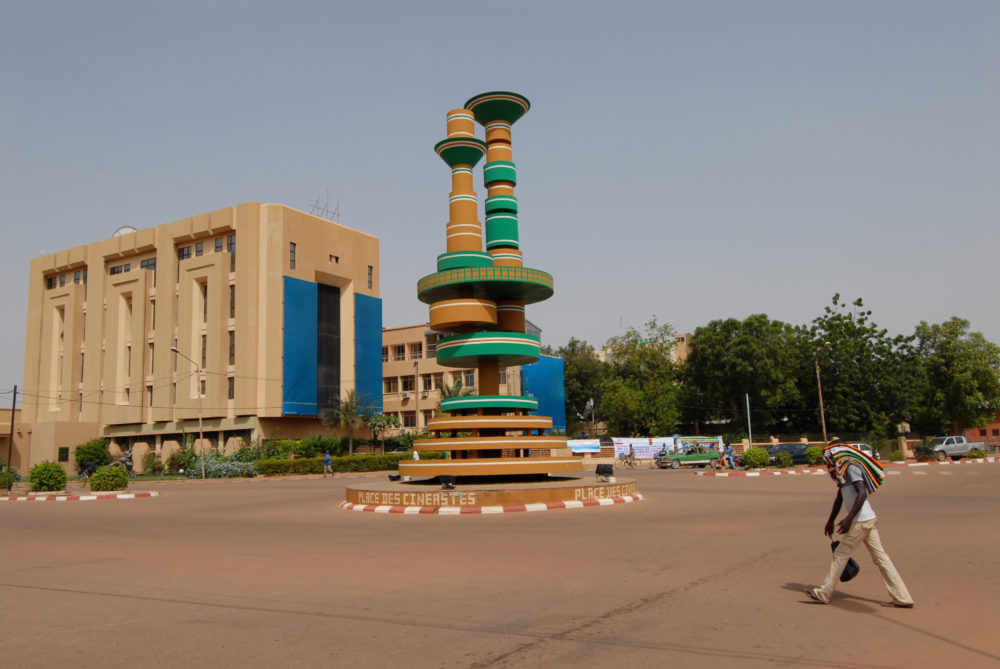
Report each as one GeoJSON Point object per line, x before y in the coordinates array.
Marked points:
{"type": "Point", "coordinates": [485, 496]}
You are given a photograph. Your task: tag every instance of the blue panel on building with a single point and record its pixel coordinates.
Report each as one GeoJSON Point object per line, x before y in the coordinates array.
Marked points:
{"type": "Point", "coordinates": [368, 350]}
{"type": "Point", "coordinates": [299, 369]}
{"type": "Point", "coordinates": [545, 381]}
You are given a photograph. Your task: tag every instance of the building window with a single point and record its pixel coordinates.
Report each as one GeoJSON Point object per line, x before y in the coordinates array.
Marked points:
{"type": "Point", "coordinates": [184, 252]}
{"type": "Point", "coordinates": [502, 380]}
{"type": "Point", "coordinates": [152, 314]}
{"type": "Point", "coordinates": [291, 255]}
{"type": "Point", "coordinates": [416, 351]}
{"type": "Point", "coordinates": [62, 280]}
{"type": "Point", "coordinates": [982, 433]}
{"type": "Point", "coordinates": [63, 454]}
{"type": "Point", "coordinates": [398, 353]}
{"type": "Point", "coordinates": [85, 277]}
{"type": "Point", "coordinates": [50, 282]}
{"type": "Point", "coordinates": [232, 387]}
{"type": "Point", "coordinates": [428, 415]}
{"type": "Point", "coordinates": [996, 432]}
{"type": "Point", "coordinates": [218, 244]}
{"type": "Point", "coordinates": [439, 380]}
{"type": "Point", "coordinates": [147, 263]}
{"type": "Point", "coordinates": [469, 378]}
{"type": "Point", "coordinates": [232, 348]}
{"type": "Point", "coordinates": [371, 275]}
{"type": "Point", "coordinates": [431, 347]}
{"type": "Point", "coordinates": [149, 395]}
{"type": "Point", "coordinates": [426, 382]}
{"type": "Point", "coordinates": [409, 384]}
{"type": "Point", "coordinates": [204, 350]}
{"type": "Point", "coordinates": [385, 354]}
{"type": "Point", "coordinates": [231, 247]}
{"type": "Point", "coordinates": [152, 358]}
{"type": "Point", "coordinates": [204, 302]}
{"type": "Point", "coordinates": [76, 277]}
{"type": "Point", "coordinates": [81, 366]}
{"type": "Point", "coordinates": [232, 301]}
{"type": "Point", "coordinates": [199, 249]}
{"type": "Point", "coordinates": [116, 269]}
{"type": "Point", "coordinates": [409, 419]}
{"type": "Point", "coordinates": [390, 384]}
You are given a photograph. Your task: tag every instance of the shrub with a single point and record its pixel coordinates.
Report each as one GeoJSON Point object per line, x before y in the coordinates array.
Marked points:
{"type": "Point", "coordinates": [756, 458]}
{"type": "Point", "coordinates": [896, 456]}
{"type": "Point", "coordinates": [151, 463]}
{"type": "Point", "coordinates": [782, 459]}
{"type": "Point", "coordinates": [975, 453]}
{"type": "Point", "coordinates": [814, 455]}
{"type": "Point", "coordinates": [109, 478]}
{"type": "Point", "coordinates": [399, 441]}
{"type": "Point", "coordinates": [275, 448]}
{"type": "Point", "coordinates": [184, 459]}
{"type": "Point", "coordinates": [8, 477]}
{"type": "Point", "coordinates": [47, 476]}
{"type": "Point", "coordinates": [924, 453]}
{"type": "Point", "coordinates": [347, 463]}
{"type": "Point", "coordinates": [91, 455]}
{"type": "Point", "coordinates": [218, 466]}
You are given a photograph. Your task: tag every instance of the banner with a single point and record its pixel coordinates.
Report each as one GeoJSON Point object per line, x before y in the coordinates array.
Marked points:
{"type": "Point", "coordinates": [585, 445]}
{"type": "Point", "coordinates": [645, 448]}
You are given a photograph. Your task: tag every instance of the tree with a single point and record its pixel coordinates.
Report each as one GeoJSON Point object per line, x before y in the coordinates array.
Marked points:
{"type": "Point", "coordinates": [349, 414]}
{"type": "Point", "coordinates": [869, 378]}
{"type": "Point", "coordinates": [91, 455]}
{"type": "Point", "coordinates": [961, 377]}
{"type": "Point", "coordinates": [378, 423]}
{"type": "Point", "coordinates": [456, 389]}
{"type": "Point", "coordinates": [729, 359]}
{"type": "Point", "coordinates": [585, 376]}
{"type": "Point", "coordinates": [640, 398]}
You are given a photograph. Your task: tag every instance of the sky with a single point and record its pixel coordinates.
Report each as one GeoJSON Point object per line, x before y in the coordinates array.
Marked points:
{"type": "Point", "coordinates": [682, 160]}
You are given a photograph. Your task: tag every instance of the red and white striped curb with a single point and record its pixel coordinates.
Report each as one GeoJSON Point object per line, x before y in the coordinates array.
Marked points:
{"type": "Point", "coordinates": [792, 472]}
{"type": "Point", "coordinates": [482, 510]}
{"type": "Point", "coordinates": [79, 498]}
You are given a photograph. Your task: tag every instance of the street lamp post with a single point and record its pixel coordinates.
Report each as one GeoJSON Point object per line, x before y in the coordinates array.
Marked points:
{"type": "Point", "coordinates": [819, 388]}
{"type": "Point", "coordinates": [201, 434]}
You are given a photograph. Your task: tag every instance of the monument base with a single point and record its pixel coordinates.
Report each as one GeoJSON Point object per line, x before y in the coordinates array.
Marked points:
{"type": "Point", "coordinates": [472, 495]}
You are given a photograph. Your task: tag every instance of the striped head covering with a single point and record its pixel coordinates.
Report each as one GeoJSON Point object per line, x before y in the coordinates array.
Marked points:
{"type": "Point", "coordinates": [838, 456]}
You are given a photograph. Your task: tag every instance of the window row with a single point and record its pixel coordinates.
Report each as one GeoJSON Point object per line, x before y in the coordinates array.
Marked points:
{"type": "Point", "coordinates": [59, 280]}
{"type": "Point", "coordinates": [412, 351]}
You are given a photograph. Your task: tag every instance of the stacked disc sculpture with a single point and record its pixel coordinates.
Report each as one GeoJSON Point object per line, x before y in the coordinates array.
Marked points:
{"type": "Point", "coordinates": [477, 298]}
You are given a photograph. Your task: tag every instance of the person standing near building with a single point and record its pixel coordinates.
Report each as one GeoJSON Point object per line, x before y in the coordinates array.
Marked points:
{"type": "Point", "coordinates": [856, 475]}
{"type": "Point", "coordinates": [327, 464]}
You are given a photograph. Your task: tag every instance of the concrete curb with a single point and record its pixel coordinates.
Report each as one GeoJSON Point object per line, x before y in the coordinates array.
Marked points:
{"type": "Point", "coordinates": [887, 465]}
{"type": "Point", "coordinates": [80, 498]}
{"type": "Point", "coordinates": [483, 510]}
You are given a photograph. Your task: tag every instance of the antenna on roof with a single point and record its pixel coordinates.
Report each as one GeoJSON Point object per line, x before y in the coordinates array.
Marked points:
{"type": "Point", "coordinates": [323, 210]}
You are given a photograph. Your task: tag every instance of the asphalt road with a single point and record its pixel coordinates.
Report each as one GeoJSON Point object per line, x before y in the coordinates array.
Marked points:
{"type": "Point", "coordinates": [703, 572]}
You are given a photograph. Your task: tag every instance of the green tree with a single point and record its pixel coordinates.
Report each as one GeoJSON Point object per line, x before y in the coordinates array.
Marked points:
{"type": "Point", "coordinates": [729, 359]}
{"type": "Point", "coordinates": [91, 455]}
{"type": "Point", "coordinates": [869, 378]}
{"type": "Point", "coordinates": [378, 423]}
{"type": "Point", "coordinates": [456, 389]}
{"type": "Point", "coordinates": [349, 413]}
{"type": "Point", "coordinates": [641, 395]}
{"type": "Point", "coordinates": [961, 377]}
{"type": "Point", "coordinates": [585, 377]}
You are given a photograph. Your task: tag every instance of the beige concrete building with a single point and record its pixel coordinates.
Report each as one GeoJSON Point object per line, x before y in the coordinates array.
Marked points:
{"type": "Point", "coordinates": [273, 314]}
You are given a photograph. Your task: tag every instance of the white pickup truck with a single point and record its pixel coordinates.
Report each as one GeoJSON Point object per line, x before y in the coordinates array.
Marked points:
{"type": "Point", "coordinates": [947, 447]}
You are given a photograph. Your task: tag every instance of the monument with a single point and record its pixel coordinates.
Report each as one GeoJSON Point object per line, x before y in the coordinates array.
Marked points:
{"type": "Point", "coordinates": [477, 299]}
{"type": "Point", "coordinates": [497, 456]}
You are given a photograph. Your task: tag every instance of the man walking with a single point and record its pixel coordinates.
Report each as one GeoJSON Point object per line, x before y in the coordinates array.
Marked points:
{"type": "Point", "coordinates": [856, 475]}
{"type": "Point", "coordinates": [327, 464]}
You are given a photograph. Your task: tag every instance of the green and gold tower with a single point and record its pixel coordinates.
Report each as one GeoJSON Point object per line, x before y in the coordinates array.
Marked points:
{"type": "Point", "coordinates": [477, 298]}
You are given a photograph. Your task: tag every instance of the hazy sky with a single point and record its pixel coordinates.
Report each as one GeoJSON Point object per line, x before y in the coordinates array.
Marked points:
{"type": "Point", "coordinates": [684, 160]}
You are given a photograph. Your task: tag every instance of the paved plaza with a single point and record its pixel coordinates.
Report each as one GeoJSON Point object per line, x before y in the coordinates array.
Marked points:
{"type": "Point", "coordinates": [703, 572]}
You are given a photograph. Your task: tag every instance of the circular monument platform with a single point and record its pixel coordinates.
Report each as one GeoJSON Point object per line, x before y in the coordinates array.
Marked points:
{"type": "Point", "coordinates": [472, 495]}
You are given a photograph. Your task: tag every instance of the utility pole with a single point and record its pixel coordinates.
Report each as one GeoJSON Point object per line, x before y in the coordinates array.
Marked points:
{"type": "Point", "coordinates": [10, 444]}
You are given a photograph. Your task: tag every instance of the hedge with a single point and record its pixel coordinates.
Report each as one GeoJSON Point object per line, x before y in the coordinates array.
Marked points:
{"type": "Point", "coordinates": [347, 463]}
